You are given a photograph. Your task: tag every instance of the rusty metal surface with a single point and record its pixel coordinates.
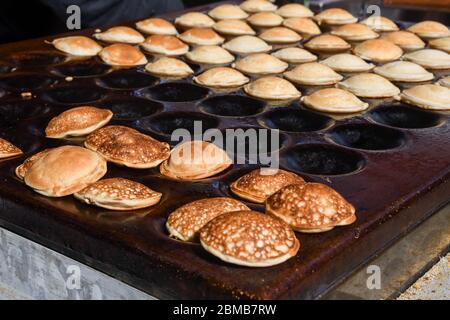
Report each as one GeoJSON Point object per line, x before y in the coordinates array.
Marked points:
{"type": "Point", "coordinates": [393, 190]}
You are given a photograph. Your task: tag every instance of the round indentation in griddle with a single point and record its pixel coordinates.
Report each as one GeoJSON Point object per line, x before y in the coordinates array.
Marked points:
{"type": "Point", "coordinates": [166, 123]}
{"type": "Point", "coordinates": [85, 68]}
{"type": "Point", "coordinates": [294, 119]}
{"type": "Point", "coordinates": [406, 117]}
{"type": "Point", "coordinates": [232, 106]}
{"type": "Point", "coordinates": [177, 92]}
{"type": "Point", "coordinates": [367, 137]}
{"type": "Point", "coordinates": [36, 58]}
{"type": "Point", "coordinates": [12, 112]}
{"type": "Point", "coordinates": [252, 145]}
{"type": "Point", "coordinates": [27, 81]}
{"type": "Point", "coordinates": [75, 95]}
{"type": "Point", "coordinates": [322, 159]}
{"type": "Point", "coordinates": [127, 79]}
{"type": "Point", "coordinates": [131, 108]}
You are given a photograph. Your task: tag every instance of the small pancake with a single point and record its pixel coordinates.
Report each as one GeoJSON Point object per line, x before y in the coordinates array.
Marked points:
{"type": "Point", "coordinates": [428, 96]}
{"type": "Point", "coordinates": [380, 24]}
{"type": "Point", "coordinates": [76, 122]}
{"type": "Point", "coordinates": [201, 37]}
{"type": "Point", "coordinates": [430, 29]}
{"type": "Point", "coordinates": [313, 73]}
{"type": "Point", "coordinates": [165, 45]}
{"type": "Point", "coordinates": [157, 26]}
{"type": "Point", "coordinates": [378, 50]}
{"type": "Point", "coordinates": [123, 55]}
{"type": "Point", "coordinates": [259, 184]}
{"type": "Point", "coordinates": [26, 165]}
{"type": "Point", "coordinates": [249, 238]}
{"type": "Point", "coordinates": [227, 11]}
{"type": "Point", "coordinates": [221, 77]}
{"type": "Point", "coordinates": [120, 34]}
{"type": "Point", "coordinates": [118, 194]}
{"type": "Point", "coordinates": [280, 35]}
{"type": "Point", "coordinates": [304, 26]}
{"type": "Point", "coordinates": [310, 207]}
{"type": "Point", "coordinates": [194, 20]}
{"type": "Point", "coordinates": [369, 85]}
{"type": "Point", "coordinates": [346, 62]}
{"type": "Point", "coordinates": [334, 100]}
{"type": "Point", "coordinates": [260, 64]}
{"type": "Point", "coordinates": [406, 40]}
{"type": "Point", "coordinates": [355, 32]}
{"type": "Point", "coordinates": [441, 44]}
{"type": "Point", "coordinates": [8, 150]}
{"type": "Point", "coordinates": [78, 46]}
{"type": "Point", "coordinates": [265, 19]}
{"type": "Point", "coordinates": [194, 160]}
{"type": "Point", "coordinates": [247, 45]}
{"type": "Point", "coordinates": [253, 6]}
{"type": "Point", "coordinates": [65, 170]}
{"type": "Point", "coordinates": [169, 67]}
{"type": "Point", "coordinates": [127, 147]}
{"type": "Point", "coordinates": [213, 55]}
{"type": "Point", "coordinates": [294, 55]}
{"type": "Point", "coordinates": [335, 16]}
{"type": "Point", "coordinates": [403, 71]}
{"type": "Point", "coordinates": [444, 82]}
{"type": "Point", "coordinates": [186, 222]}
{"type": "Point", "coordinates": [429, 58]}
{"type": "Point", "coordinates": [233, 28]}
{"type": "Point", "coordinates": [327, 43]}
{"type": "Point", "coordinates": [294, 10]}
{"type": "Point", "coordinates": [272, 88]}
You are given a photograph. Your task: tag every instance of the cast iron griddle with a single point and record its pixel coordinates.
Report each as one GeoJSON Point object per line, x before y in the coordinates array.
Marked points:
{"type": "Point", "coordinates": [401, 180]}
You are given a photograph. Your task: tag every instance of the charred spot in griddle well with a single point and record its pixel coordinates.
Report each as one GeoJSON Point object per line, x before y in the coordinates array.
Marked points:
{"type": "Point", "coordinates": [367, 137]}
{"type": "Point", "coordinates": [323, 159]}
{"type": "Point", "coordinates": [127, 79]}
{"type": "Point", "coordinates": [176, 92]}
{"type": "Point", "coordinates": [131, 108]}
{"type": "Point", "coordinates": [292, 119]}
{"type": "Point", "coordinates": [232, 106]}
{"type": "Point", "coordinates": [406, 117]}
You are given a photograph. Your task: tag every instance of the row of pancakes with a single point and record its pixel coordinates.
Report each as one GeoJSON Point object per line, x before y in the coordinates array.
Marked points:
{"type": "Point", "coordinates": [164, 42]}
{"type": "Point", "coordinates": [226, 227]}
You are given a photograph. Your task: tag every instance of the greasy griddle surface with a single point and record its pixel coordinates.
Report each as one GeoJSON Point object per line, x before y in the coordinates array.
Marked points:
{"type": "Point", "coordinates": [392, 190]}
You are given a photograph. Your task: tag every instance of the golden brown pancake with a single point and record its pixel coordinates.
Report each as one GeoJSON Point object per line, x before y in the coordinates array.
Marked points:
{"type": "Point", "coordinates": [259, 184]}
{"type": "Point", "coordinates": [221, 77]}
{"type": "Point", "coordinates": [310, 207]}
{"type": "Point", "coordinates": [249, 238]}
{"type": "Point", "coordinates": [272, 88]}
{"type": "Point", "coordinates": [201, 37]}
{"type": "Point", "coordinates": [127, 147]}
{"type": "Point", "coordinates": [169, 67]}
{"type": "Point", "coordinates": [124, 55]}
{"type": "Point", "coordinates": [195, 160]}
{"type": "Point", "coordinates": [78, 46]}
{"type": "Point", "coordinates": [120, 34]}
{"type": "Point", "coordinates": [65, 170]}
{"type": "Point", "coordinates": [118, 194]}
{"type": "Point", "coordinates": [79, 121]}
{"type": "Point", "coordinates": [8, 150]}
{"type": "Point", "coordinates": [378, 50]}
{"type": "Point", "coordinates": [157, 26]}
{"type": "Point", "coordinates": [165, 45]}
{"type": "Point", "coordinates": [185, 222]}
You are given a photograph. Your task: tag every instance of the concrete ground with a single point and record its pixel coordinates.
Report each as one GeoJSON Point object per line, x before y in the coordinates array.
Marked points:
{"type": "Point", "coordinates": [433, 285]}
